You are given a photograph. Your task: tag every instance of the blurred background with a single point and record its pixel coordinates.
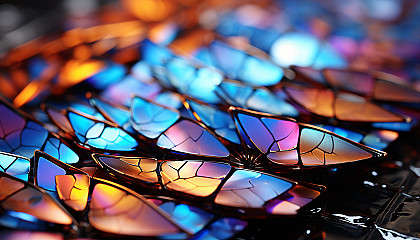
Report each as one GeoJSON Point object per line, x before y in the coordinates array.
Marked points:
{"type": "Point", "coordinates": [379, 200]}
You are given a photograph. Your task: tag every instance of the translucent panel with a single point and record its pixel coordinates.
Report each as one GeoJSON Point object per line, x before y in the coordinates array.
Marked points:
{"type": "Point", "coordinates": [197, 178]}
{"type": "Point", "coordinates": [189, 137]}
{"type": "Point", "coordinates": [224, 228]}
{"type": "Point", "coordinates": [260, 99]}
{"type": "Point", "coordinates": [99, 135]}
{"type": "Point", "coordinates": [121, 92]}
{"type": "Point", "coordinates": [290, 203]}
{"type": "Point", "coordinates": [108, 75]}
{"type": "Point", "coordinates": [260, 72]}
{"type": "Point", "coordinates": [229, 60]}
{"type": "Point", "coordinates": [31, 201]}
{"type": "Point", "coordinates": [61, 151]}
{"type": "Point", "coordinates": [320, 148]}
{"type": "Point", "coordinates": [295, 49]}
{"type": "Point", "coordinates": [264, 101]}
{"type": "Point", "coordinates": [155, 54]}
{"type": "Point", "coordinates": [46, 172]}
{"type": "Point", "coordinates": [117, 114]}
{"type": "Point", "coordinates": [142, 71]}
{"type": "Point", "coordinates": [343, 106]}
{"type": "Point", "coordinates": [198, 82]}
{"type": "Point", "coordinates": [389, 91]}
{"type": "Point", "coordinates": [240, 65]}
{"type": "Point", "coordinates": [190, 218]}
{"type": "Point", "coordinates": [169, 99]}
{"type": "Point", "coordinates": [250, 189]}
{"type": "Point", "coordinates": [59, 119]}
{"type": "Point", "coordinates": [8, 187]}
{"type": "Point", "coordinates": [284, 157]}
{"type": "Point", "coordinates": [15, 165]}
{"type": "Point", "coordinates": [312, 74]}
{"type": "Point", "coordinates": [357, 82]}
{"type": "Point", "coordinates": [328, 57]}
{"type": "Point", "coordinates": [350, 107]}
{"type": "Point", "coordinates": [73, 190]}
{"type": "Point", "coordinates": [221, 122]}
{"type": "Point", "coordinates": [151, 119]}
{"type": "Point", "coordinates": [141, 168]}
{"type": "Point", "coordinates": [86, 109]}
{"type": "Point", "coordinates": [275, 137]}
{"type": "Point", "coordinates": [116, 211]}
{"type": "Point", "coordinates": [318, 101]}
{"type": "Point", "coordinates": [30, 235]}
{"type": "Point", "coordinates": [18, 135]}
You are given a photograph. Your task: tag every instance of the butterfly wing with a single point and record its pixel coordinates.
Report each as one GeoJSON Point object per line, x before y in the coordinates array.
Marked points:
{"type": "Point", "coordinates": [285, 141]}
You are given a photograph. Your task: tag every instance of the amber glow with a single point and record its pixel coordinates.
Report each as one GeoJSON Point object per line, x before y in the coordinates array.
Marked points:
{"type": "Point", "coordinates": [72, 37]}
{"type": "Point", "coordinates": [192, 42]}
{"type": "Point", "coordinates": [7, 88]}
{"type": "Point", "coordinates": [116, 211]}
{"type": "Point", "coordinates": [82, 52]}
{"type": "Point", "coordinates": [73, 190]}
{"type": "Point", "coordinates": [75, 71]}
{"type": "Point", "coordinates": [44, 208]}
{"type": "Point", "coordinates": [149, 10]}
{"type": "Point", "coordinates": [37, 86]}
{"type": "Point", "coordinates": [28, 93]}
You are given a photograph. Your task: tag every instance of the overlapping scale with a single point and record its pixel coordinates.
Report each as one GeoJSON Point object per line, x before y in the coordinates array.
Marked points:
{"type": "Point", "coordinates": [116, 211]}
{"type": "Point", "coordinates": [321, 148]}
{"type": "Point", "coordinates": [187, 136]}
{"type": "Point", "coordinates": [197, 178]}
{"type": "Point", "coordinates": [143, 169]}
{"type": "Point", "coordinates": [26, 202]}
{"type": "Point", "coordinates": [220, 121]}
{"type": "Point", "coordinates": [99, 134]}
{"type": "Point", "coordinates": [255, 98]}
{"type": "Point", "coordinates": [240, 65]}
{"type": "Point", "coordinates": [214, 182]}
{"type": "Point", "coordinates": [341, 105]}
{"type": "Point", "coordinates": [378, 85]}
{"type": "Point", "coordinates": [22, 135]}
{"type": "Point", "coordinates": [120, 93]}
{"type": "Point", "coordinates": [197, 82]}
{"type": "Point", "coordinates": [19, 134]}
{"type": "Point", "coordinates": [296, 198]}
{"type": "Point", "coordinates": [200, 222]}
{"type": "Point", "coordinates": [15, 165]}
{"type": "Point", "coordinates": [249, 189]}
{"type": "Point", "coordinates": [191, 218]}
{"type": "Point", "coordinates": [117, 114]}
{"type": "Point", "coordinates": [151, 119]}
{"type": "Point", "coordinates": [277, 138]}
{"type": "Point", "coordinates": [286, 142]}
